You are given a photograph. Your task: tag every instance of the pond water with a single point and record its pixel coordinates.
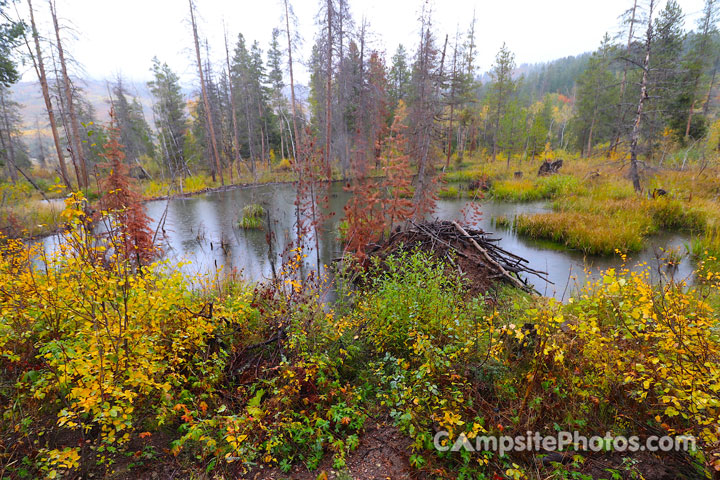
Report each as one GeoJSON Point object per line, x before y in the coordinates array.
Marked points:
{"type": "Point", "coordinates": [203, 230]}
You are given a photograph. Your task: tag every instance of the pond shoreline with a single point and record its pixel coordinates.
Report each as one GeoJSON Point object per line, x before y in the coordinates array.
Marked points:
{"type": "Point", "coordinates": [173, 196]}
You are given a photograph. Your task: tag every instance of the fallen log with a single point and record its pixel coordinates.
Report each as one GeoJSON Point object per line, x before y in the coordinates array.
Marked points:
{"type": "Point", "coordinates": [509, 277]}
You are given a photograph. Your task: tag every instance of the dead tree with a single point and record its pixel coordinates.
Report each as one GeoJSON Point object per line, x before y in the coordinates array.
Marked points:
{"type": "Point", "coordinates": [42, 78]}
{"type": "Point", "coordinates": [236, 144]}
{"type": "Point", "coordinates": [635, 136]}
{"type": "Point", "coordinates": [328, 87]}
{"type": "Point", "coordinates": [292, 81]}
{"type": "Point", "coordinates": [206, 102]}
{"type": "Point", "coordinates": [74, 137]}
{"type": "Point", "coordinates": [623, 83]}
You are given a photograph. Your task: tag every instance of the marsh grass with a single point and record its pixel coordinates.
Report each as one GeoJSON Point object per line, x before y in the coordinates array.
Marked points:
{"type": "Point", "coordinates": [450, 191]}
{"type": "Point", "coordinates": [30, 218]}
{"type": "Point", "coordinates": [596, 209]}
{"type": "Point", "coordinates": [534, 189]}
{"type": "Point", "coordinates": [706, 248]}
{"type": "Point", "coordinates": [590, 233]}
{"type": "Point", "coordinates": [503, 221]}
{"type": "Point", "coordinates": [252, 217]}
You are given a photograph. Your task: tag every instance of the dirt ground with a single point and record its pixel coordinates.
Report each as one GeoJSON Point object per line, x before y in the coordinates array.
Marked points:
{"type": "Point", "coordinates": [382, 455]}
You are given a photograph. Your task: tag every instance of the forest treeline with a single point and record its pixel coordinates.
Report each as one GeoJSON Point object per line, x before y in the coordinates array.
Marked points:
{"type": "Point", "coordinates": [647, 90]}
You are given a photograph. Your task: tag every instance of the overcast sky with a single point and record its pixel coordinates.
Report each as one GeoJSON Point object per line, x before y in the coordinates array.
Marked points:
{"type": "Point", "coordinates": [122, 36]}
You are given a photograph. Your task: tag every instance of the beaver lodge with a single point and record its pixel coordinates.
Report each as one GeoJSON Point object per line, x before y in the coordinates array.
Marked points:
{"type": "Point", "coordinates": [473, 253]}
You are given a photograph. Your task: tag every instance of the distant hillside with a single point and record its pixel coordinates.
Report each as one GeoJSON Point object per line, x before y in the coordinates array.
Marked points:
{"type": "Point", "coordinates": [29, 96]}
{"type": "Point", "coordinates": [556, 76]}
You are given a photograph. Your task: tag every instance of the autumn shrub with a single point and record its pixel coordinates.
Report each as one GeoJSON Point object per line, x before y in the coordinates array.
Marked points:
{"type": "Point", "coordinates": [624, 356]}
{"type": "Point", "coordinates": [100, 351]}
{"type": "Point", "coordinates": [299, 409]}
{"type": "Point", "coordinates": [121, 200]}
{"type": "Point", "coordinates": [284, 165]}
{"type": "Point", "coordinates": [196, 183]}
{"type": "Point", "coordinates": [660, 346]}
{"type": "Point", "coordinates": [155, 188]}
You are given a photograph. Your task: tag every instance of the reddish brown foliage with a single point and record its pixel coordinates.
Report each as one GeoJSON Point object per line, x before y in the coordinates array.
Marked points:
{"type": "Point", "coordinates": [376, 206]}
{"type": "Point", "coordinates": [397, 189]}
{"type": "Point", "coordinates": [124, 202]}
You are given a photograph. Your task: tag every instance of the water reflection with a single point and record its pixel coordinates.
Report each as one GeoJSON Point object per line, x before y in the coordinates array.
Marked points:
{"type": "Point", "coordinates": [204, 231]}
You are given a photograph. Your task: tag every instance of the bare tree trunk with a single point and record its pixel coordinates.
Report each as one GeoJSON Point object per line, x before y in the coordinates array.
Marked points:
{"type": "Point", "coordinates": [206, 102]}
{"type": "Point", "coordinates": [64, 120]}
{"type": "Point", "coordinates": [292, 81]}
{"type": "Point", "coordinates": [9, 149]}
{"type": "Point", "coordinates": [328, 87]}
{"type": "Point", "coordinates": [706, 107]}
{"type": "Point", "coordinates": [42, 77]}
{"type": "Point", "coordinates": [452, 103]}
{"type": "Point", "coordinates": [689, 121]}
{"type": "Point", "coordinates": [623, 84]}
{"type": "Point", "coordinates": [590, 136]}
{"type": "Point", "coordinates": [634, 174]}
{"type": "Point", "coordinates": [236, 144]}
{"type": "Point", "coordinates": [77, 151]}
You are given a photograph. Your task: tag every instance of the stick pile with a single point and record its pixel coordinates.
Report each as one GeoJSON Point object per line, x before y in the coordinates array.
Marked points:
{"type": "Point", "coordinates": [472, 252]}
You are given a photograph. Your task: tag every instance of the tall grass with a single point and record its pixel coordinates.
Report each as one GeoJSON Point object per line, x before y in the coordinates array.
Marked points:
{"type": "Point", "coordinates": [540, 188]}
{"type": "Point", "coordinates": [30, 218]}
{"type": "Point", "coordinates": [587, 232]}
{"type": "Point", "coordinates": [252, 217]}
{"type": "Point", "coordinates": [707, 248]}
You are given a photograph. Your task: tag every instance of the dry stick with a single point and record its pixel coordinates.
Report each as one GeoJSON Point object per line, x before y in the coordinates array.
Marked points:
{"type": "Point", "coordinates": [35, 186]}
{"type": "Point", "coordinates": [505, 273]}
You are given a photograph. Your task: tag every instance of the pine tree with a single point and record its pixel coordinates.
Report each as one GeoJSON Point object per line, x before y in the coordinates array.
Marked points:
{"type": "Point", "coordinates": [667, 85]}
{"type": "Point", "coordinates": [399, 77]}
{"type": "Point", "coordinates": [501, 91]}
{"type": "Point", "coordinates": [135, 133]}
{"type": "Point", "coordinates": [170, 118]}
{"type": "Point", "coordinates": [596, 99]}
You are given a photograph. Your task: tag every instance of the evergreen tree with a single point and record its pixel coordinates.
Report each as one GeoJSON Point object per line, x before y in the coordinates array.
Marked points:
{"type": "Point", "coordinates": [170, 118]}
{"type": "Point", "coordinates": [10, 36]}
{"type": "Point", "coordinates": [13, 152]}
{"type": "Point", "coordinates": [399, 77]}
{"type": "Point", "coordinates": [700, 58]}
{"type": "Point", "coordinates": [667, 87]}
{"type": "Point", "coordinates": [596, 101]}
{"type": "Point", "coordinates": [501, 91]}
{"type": "Point", "coordinates": [135, 133]}
{"type": "Point", "coordinates": [251, 97]}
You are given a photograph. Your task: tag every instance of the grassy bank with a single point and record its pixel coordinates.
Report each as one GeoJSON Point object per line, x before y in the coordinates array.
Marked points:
{"type": "Point", "coordinates": [595, 208]}
{"type": "Point", "coordinates": [111, 371]}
